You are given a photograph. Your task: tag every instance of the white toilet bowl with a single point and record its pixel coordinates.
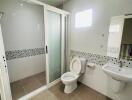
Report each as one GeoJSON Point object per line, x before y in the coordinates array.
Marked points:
{"type": "Point", "coordinates": [69, 79]}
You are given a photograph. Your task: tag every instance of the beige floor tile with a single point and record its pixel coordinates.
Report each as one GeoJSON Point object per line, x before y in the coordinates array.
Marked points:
{"type": "Point", "coordinates": [27, 85]}
{"type": "Point", "coordinates": [30, 84]}
{"type": "Point", "coordinates": [101, 97]}
{"type": "Point", "coordinates": [81, 93]}
{"type": "Point", "coordinates": [47, 95]}
{"type": "Point", "coordinates": [17, 90]}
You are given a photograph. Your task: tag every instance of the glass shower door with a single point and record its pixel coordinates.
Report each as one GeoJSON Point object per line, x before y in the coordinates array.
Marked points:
{"type": "Point", "coordinates": [54, 45]}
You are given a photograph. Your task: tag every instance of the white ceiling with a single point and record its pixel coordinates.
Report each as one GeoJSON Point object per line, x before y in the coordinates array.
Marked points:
{"type": "Point", "coordinates": [54, 2]}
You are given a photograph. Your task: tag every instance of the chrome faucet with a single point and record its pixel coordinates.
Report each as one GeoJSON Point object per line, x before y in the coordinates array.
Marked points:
{"type": "Point", "coordinates": [120, 64]}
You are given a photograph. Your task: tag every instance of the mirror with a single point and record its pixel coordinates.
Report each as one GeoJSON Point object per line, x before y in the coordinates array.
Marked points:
{"type": "Point", "coordinates": [126, 43]}
{"type": "Point", "coordinates": [120, 37]}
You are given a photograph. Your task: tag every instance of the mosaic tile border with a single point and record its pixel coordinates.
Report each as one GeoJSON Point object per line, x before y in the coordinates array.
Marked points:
{"type": "Point", "coordinates": [24, 53]}
{"type": "Point", "coordinates": [100, 60]}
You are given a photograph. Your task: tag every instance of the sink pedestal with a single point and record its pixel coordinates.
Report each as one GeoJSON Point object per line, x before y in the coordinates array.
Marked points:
{"type": "Point", "coordinates": [117, 86]}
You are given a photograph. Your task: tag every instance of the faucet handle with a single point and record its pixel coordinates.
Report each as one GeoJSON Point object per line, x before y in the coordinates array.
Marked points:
{"type": "Point", "coordinates": [121, 64]}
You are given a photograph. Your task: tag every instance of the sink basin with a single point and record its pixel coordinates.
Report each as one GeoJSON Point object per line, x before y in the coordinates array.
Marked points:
{"type": "Point", "coordinates": [120, 74]}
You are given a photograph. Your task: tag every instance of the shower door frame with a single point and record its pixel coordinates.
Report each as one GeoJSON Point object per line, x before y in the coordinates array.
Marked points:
{"type": "Point", "coordinates": [64, 14]}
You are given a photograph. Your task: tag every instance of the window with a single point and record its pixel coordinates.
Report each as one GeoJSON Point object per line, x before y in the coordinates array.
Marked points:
{"type": "Point", "coordinates": [83, 19]}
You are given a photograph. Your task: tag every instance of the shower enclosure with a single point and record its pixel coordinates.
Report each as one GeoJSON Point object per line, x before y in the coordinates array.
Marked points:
{"type": "Point", "coordinates": [54, 45]}
{"type": "Point", "coordinates": [55, 26]}
{"type": "Point", "coordinates": [55, 30]}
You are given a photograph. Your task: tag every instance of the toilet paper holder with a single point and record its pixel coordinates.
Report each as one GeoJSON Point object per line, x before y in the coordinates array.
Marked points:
{"type": "Point", "coordinates": [91, 65]}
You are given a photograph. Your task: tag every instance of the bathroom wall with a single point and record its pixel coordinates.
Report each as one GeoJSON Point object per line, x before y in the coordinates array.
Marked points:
{"type": "Point", "coordinates": [92, 41]}
{"type": "Point", "coordinates": [23, 34]}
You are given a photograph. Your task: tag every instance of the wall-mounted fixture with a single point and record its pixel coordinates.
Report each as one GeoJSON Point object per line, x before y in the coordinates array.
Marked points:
{"type": "Point", "coordinates": [91, 65]}
{"type": "Point", "coordinates": [120, 37]}
{"type": "Point", "coordinates": [1, 14]}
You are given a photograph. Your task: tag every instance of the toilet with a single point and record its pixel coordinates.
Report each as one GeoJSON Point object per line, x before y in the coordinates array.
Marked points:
{"type": "Point", "coordinates": [69, 79]}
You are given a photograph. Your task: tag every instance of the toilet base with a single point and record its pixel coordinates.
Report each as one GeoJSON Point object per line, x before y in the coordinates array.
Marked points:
{"type": "Point", "coordinates": [70, 88]}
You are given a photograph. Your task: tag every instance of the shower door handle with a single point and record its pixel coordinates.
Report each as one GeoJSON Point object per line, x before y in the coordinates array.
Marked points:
{"type": "Point", "coordinates": [46, 49]}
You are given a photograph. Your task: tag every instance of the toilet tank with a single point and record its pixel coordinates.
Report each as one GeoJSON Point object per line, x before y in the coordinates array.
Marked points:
{"type": "Point", "coordinates": [83, 65]}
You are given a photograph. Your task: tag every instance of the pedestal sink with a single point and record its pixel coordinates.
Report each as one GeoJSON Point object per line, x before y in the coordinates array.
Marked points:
{"type": "Point", "coordinates": [119, 75]}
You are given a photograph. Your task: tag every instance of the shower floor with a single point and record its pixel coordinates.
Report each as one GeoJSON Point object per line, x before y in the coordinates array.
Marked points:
{"type": "Point", "coordinates": [27, 85]}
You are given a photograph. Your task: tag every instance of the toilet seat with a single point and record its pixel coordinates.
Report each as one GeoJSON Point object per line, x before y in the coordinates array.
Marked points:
{"type": "Point", "coordinates": [75, 70]}
{"type": "Point", "coordinates": [69, 76]}
{"type": "Point", "coordinates": [75, 66]}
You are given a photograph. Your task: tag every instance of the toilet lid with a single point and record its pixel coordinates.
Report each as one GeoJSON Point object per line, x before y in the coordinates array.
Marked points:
{"type": "Point", "coordinates": [75, 65]}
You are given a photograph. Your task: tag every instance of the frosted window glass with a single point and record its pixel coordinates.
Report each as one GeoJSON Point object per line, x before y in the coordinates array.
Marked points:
{"type": "Point", "coordinates": [83, 19]}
